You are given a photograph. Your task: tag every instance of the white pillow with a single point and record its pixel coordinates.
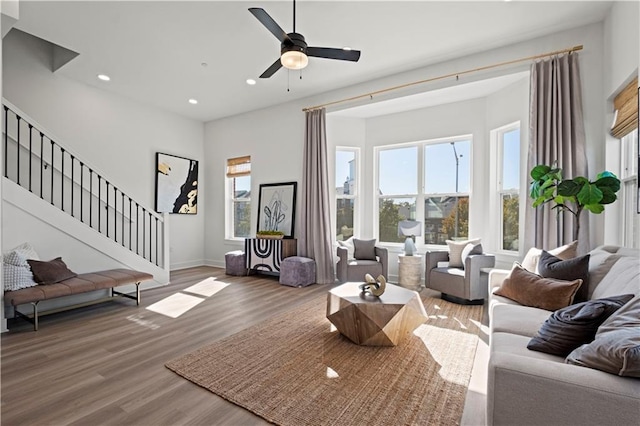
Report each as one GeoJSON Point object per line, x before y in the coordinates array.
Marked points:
{"type": "Point", "coordinates": [16, 271]}
{"type": "Point", "coordinates": [565, 252]}
{"type": "Point", "coordinates": [348, 244]}
{"type": "Point", "coordinates": [455, 251]}
{"type": "Point", "coordinates": [17, 277]}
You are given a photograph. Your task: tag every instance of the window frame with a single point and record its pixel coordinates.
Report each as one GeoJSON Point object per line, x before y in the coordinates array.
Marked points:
{"type": "Point", "coordinates": [420, 196]}
{"type": "Point", "coordinates": [230, 203]}
{"type": "Point", "coordinates": [497, 173]}
{"type": "Point", "coordinates": [629, 216]}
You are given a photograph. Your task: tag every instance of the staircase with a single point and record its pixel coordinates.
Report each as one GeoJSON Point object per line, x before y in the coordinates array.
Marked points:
{"type": "Point", "coordinates": [42, 176]}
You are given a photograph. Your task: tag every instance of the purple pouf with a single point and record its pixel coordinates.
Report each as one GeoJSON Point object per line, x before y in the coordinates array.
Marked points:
{"type": "Point", "coordinates": [297, 271]}
{"type": "Point", "coordinates": [235, 263]}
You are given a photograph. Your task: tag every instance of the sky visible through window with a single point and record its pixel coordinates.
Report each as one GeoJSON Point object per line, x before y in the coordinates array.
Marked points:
{"type": "Point", "coordinates": [342, 166]}
{"type": "Point", "coordinates": [511, 160]}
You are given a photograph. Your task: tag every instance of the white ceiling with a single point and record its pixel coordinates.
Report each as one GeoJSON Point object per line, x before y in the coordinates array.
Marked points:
{"type": "Point", "coordinates": [154, 50]}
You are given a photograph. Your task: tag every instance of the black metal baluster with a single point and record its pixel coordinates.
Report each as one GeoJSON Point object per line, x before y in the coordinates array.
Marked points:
{"type": "Point", "coordinates": [30, 155]}
{"type": "Point", "coordinates": [81, 191]}
{"type": "Point", "coordinates": [150, 238]}
{"type": "Point", "coordinates": [41, 163]}
{"type": "Point", "coordinates": [115, 214]}
{"type": "Point", "coordinates": [137, 229]}
{"type": "Point", "coordinates": [122, 216]}
{"type": "Point", "coordinates": [6, 139]}
{"type": "Point", "coordinates": [18, 150]}
{"type": "Point", "coordinates": [90, 198]}
{"type": "Point", "coordinates": [62, 178]}
{"type": "Point", "coordinates": [144, 234]}
{"type": "Point", "coordinates": [107, 205]}
{"type": "Point", "coordinates": [157, 241]}
{"type": "Point", "coordinates": [130, 223]}
{"type": "Point", "coordinates": [52, 172]}
{"type": "Point", "coordinates": [99, 202]}
{"type": "Point", "coordinates": [73, 179]}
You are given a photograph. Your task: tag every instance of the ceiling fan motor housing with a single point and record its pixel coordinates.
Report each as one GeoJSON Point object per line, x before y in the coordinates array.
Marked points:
{"type": "Point", "coordinates": [296, 43]}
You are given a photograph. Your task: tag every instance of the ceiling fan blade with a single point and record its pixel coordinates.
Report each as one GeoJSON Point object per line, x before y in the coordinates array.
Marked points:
{"type": "Point", "coordinates": [332, 53]}
{"type": "Point", "coordinates": [272, 69]}
{"type": "Point", "coordinates": [268, 22]}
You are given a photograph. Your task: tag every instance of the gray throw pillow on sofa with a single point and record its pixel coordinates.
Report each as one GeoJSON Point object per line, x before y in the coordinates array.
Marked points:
{"type": "Point", "coordinates": [364, 249]}
{"type": "Point", "coordinates": [551, 266]}
{"type": "Point", "coordinates": [468, 250]}
{"type": "Point", "coordinates": [616, 348]}
{"type": "Point", "coordinates": [568, 328]}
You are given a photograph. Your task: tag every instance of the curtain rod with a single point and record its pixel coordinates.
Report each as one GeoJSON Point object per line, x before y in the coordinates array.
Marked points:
{"type": "Point", "coordinates": [455, 74]}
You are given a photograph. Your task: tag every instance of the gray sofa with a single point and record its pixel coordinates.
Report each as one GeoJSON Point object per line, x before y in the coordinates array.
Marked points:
{"type": "Point", "coordinates": [526, 387]}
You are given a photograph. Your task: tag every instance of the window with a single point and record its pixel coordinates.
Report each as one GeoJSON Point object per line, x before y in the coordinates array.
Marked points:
{"type": "Point", "coordinates": [346, 192]}
{"type": "Point", "coordinates": [508, 185]}
{"type": "Point", "coordinates": [238, 217]}
{"type": "Point", "coordinates": [629, 190]}
{"type": "Point", "coordinates": [428, 182]}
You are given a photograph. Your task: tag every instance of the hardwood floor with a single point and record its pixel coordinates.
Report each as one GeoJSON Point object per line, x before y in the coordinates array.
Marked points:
{"type": "Point", "coordinates": [104, 364]}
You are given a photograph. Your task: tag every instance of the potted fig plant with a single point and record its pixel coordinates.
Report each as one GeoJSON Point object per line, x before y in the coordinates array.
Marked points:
{"type": "Point", "coordinates": [572, 195]}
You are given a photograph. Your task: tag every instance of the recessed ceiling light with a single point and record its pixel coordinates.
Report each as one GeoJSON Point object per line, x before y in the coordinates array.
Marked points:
{"type": "Point", "coordinates": [104, 77]}
{"type": "Point", "coordinates": [251, 81]}
{"type": "Point", "coordinates": [193, 101]}
{"type": "Point", "coordinates": [204, 64]}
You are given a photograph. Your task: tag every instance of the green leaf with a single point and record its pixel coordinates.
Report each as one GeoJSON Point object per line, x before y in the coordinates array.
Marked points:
{"type": "Point", "coordinates": [581, 180]}
{"type": "Point", "coordinates": [610, 182]}
{"type": "Point", "coordinates": [538, 201]}
{"type": "Point", "coordinates": [594, 208]}
{"type": "Point", "coordinates": [569, 188]}
{"type": "Point", "coordinates": [559, 199]}
{"type": "Point", "coordinates": [548, 193]}
{"type": "Point", "coordinates": [589, 194]}
{"type": "Point", "coordinates": [539, 171]}
{"type": "Point", "coordinates": [534, 191]}
{"type": "Point", "coordinates": [606, 173]}
{"type": "Point", "coordinates": [608, 196]}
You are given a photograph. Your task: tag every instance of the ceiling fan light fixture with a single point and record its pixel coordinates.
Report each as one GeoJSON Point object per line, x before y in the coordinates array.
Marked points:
{"type": "Point", "coordinates": [294, 59]}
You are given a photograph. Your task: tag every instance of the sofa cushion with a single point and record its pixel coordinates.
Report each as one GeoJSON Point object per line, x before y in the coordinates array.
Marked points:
{"type": "Point", "coordinates": [517, 319]}
{"type": "Point", "coordinates": [575, 325]}
{"type": "Point", "coordinates": [567, 251]}
{"type": "Point", "coordinates": [530, 289]}
{"type": "Point", "coordinates": [623, 278]}
{"type": "Point", "coordinates": [455, 251]}
{"type": "Point", "coordinates": [551, 266]}
{"type": "Point", "coordinates": [348, 244]}
{"type": "Point", "coordinates": [50, 272]}
{"type": "Point", "coordinates": [616, 348]}
{"type": "Point", "coordinates": [364, 249]}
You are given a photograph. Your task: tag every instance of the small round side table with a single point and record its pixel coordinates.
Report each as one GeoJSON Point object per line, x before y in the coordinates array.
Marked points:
{"type": "Point", "coordinates": [410, 271]}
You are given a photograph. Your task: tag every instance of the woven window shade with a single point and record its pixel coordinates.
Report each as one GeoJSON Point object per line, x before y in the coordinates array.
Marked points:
{"type": "Point", "coordinates": [626, 107]}
{"type": "Point", "coordinates": [239, 166]}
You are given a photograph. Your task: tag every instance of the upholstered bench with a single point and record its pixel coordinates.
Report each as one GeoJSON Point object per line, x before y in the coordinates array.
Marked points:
{"type": "Point", "coordinates": [82, 283]}
{"type": "Point", "coordinates": [235, 263]}
{"type": "Point", "coordinates": [297, 271]}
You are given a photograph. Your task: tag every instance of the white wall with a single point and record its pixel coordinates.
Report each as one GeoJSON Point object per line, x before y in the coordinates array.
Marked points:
{"type": "Point", "coordinates": [115, 136]}
{"type": "Point", "coordinates": [268, 133]}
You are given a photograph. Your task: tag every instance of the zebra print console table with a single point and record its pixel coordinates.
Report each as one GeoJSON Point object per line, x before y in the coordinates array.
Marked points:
{"type": "Point", "coordinates": [265, 255]}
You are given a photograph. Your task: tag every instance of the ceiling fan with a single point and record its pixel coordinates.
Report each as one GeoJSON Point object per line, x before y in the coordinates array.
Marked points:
{"type": "Point", "coordinates": [294, 51]}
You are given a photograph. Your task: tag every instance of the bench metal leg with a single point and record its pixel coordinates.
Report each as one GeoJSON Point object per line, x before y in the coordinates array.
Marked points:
{"type": "Point", "coordinates": [136, 297]}
{"type": "Point", "coordinates": [33, 320]}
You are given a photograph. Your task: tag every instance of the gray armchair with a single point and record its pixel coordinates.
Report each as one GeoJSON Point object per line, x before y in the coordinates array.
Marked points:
{"type": "Point", "coordinates": [468, 285]}
{"type": "Point", "coordinates": [355, 269]}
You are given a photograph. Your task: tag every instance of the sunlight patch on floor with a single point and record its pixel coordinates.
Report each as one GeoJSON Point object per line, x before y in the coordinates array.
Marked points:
{"type": "Point", "coordinates": [331, 373]}
{"type": "Point", "coordinates": [207, 287]}
{"type": "Point", "coordinates": [175, 305]}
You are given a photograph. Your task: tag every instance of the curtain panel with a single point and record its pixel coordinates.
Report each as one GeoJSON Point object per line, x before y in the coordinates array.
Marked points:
{"type": "Point", "coordinates": [315, 230]}
{"type": "Point", "coordinates": [556, 132]}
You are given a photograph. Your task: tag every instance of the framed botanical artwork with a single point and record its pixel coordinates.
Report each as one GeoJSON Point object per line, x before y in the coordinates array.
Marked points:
{"type": "Point", "coordinates": [277, 207]}
{"type": "Point", "coordinates": [176, 184]}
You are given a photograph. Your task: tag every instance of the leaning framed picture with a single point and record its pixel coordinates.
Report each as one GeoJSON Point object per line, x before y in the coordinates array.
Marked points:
{"type": "Point", "coordinates": [277, 207]}
{"type": "Point", "coordinates": [176, 184]}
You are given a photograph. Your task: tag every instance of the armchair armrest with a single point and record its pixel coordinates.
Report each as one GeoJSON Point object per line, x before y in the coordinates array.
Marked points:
{"type": "Point", "coordinates": [341, 267]}
{"type": "Point", "coordinates": [343, 253]}
{"type": "Point", "coordinates": [383, 257]}
{"type": "Point", "coordinates": [432, 257]}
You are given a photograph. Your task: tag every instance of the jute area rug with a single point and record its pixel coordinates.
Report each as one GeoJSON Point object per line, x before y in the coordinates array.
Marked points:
{"type": "Point", "coordinates": [295, 369]}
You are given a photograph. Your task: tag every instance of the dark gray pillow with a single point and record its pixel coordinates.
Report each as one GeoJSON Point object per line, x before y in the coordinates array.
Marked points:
{"type": "Point", "coordinates": [573, 326]}
{"type": "Point", "coordinates": [364, 249]}
{"type": "Point", "coordinates": [551, 266]}
{"type": "Point", "coordinates": [50, 272]}
{"type": "Point", "coordinates": [469, 249]}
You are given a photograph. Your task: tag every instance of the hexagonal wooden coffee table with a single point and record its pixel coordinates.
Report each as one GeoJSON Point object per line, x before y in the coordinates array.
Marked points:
{"type": "Point", "coordinates": [375, 321]}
